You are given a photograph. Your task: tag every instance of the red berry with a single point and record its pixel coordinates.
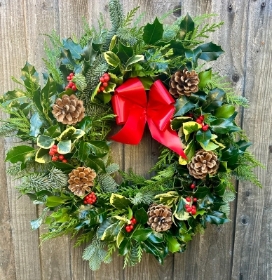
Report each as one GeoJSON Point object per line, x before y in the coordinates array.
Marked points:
{"type": "Point", "coordinates": [71, 74]}
{"type": "Point", "coordinates": [205, 127]}
{"type": "Point", "coordinates": [54, 158]}
{"type": "Point", "coordinates": [61, 157]}
{"type": "Point", "coordinates": [192, 186]}
{"type": "Point", "coordinates": [193, 207]}
{"type": "Point", "coordinates": [195, 199]}
{"type": "Point", "coordinates": [70, 84]}
{"type": "Point", "coordinates": [199, 121]}
{"type": "Point", "coordinates": [188, 199]}
{"type": "Point", "coordinates": [54, 147]}
{"type": "Point", "coordinates": [189, 209]}
{"type": "Point", "coordinates": [51, 152]}
{"type": "Point", "coordinates": [106, 77]}
{"type": "Point", "coordinates": [105, 84]}
{"type": "Point", "coordinates": [128, 229]}
{"type": "Point", "coordinates": [201, 117]}
{"type": "Point", "coordinates": [193, 212]}
{"type": "Point", "coordinates": [74, 87]}
{"type": "Point", "coordinates": [69, 78]}
{"type": "Point", "coordinates": [102, 88]}
{"type": "Point", "coordinates": [102, 80]}
{"type": "Point", "coordinates": [133, 221]}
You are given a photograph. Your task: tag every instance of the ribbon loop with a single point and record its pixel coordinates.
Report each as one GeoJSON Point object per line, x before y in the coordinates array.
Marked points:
{"type": "Point", "coordinates": [132, 109]}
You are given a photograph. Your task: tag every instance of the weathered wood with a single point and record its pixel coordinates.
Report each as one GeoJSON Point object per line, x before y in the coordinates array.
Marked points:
{"type": "Point", "coordinates": [240, 249]}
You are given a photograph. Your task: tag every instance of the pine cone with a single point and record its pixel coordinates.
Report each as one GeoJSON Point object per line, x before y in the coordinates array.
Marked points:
{"type": "Point", "coordinates": [203, 163]}
{"type": "Point", "coordinates": [159, 217]}
{"type": "Point", "coordinates": [68, 109]}
{"type": "Point", "coordinates": [183, 83]}
{"type": "Point", "coordinates": [80, 180]}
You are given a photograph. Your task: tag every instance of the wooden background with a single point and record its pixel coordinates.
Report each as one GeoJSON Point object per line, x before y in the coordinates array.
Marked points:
{"type": "Point", "coordinates": [239, 250]}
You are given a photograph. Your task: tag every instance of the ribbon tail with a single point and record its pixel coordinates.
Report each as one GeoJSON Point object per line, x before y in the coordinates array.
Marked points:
{"type": "Point", "coordinates": [169, 138]}
{"type": "Point", "coordinates": [132, 132]}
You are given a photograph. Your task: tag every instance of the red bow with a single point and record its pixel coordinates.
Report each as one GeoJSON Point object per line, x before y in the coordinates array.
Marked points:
{"type": "Point", "coordinates": [132, 109]}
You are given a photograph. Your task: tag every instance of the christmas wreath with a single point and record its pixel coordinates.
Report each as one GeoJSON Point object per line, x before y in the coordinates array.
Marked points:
{"type": "Point", "coordinates": [136, 75]}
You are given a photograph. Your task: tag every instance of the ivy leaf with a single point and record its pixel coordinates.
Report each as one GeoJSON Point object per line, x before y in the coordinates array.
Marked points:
{"type": "Point", "coordinates": [153, 32]}
{"type": "Point", "coordinates": [186, 25]}
{"type": "Point", "coordinates": [203, 137]}
{"type": "Point", "coordinates": [45, 142]}
{"type": "Point", "coordinates": [75, 49]}
{"type": "Point", "coordinates": [112, 59]}
{"type": "Point", "coordinates": [20, 154]}
{"type": "Point", "coordinates": [119, 201]}
{"type": "Point", "coordinates": [210, 51]}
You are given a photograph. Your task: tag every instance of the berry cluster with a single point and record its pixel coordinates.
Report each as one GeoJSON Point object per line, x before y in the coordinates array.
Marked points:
{"type": "Point", "coordinates": [200, 120]}
{"type": "Point", "coordinates": [55, 155]}
{"type": "Point", "coordinates": [90, 198]}
{"type": "Point", "coordinates": [104, 82]}
{"type": "Point", "coordinates": [70, 83]}
{"type": "Point", "coordinates": [130, 227]}
{"type": "Point", "coordinates": [189, 207]}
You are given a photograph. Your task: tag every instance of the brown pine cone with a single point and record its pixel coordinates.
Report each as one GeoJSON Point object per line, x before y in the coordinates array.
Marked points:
{"type": "Point", "coordinates": [203, 163]}
{"type": "Point", "coordinates": [68, 109]}
{"type": "Point", "coordinates": [80, 180]}
{"type": "Point", "coordinates": [183, 83]}
{"type": "Point", "coordinates": [159, 217]}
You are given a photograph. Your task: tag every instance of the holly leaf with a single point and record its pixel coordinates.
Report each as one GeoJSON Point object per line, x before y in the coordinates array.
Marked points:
{"type": "Point", "coordinates": [141, 234]}
{"type": "Point", "coordinates": [190, 127]}
{"type": "Point", "coordinates": [203, 137]}
{"type": "Point", "coordinates": [172, 243]}
{"type": "Point", "coordinates": [75, 49]}
{"type": "Point", "coordinates": [124, 52]}
{"type": "Point", "coordinates": [189, 152]}
{"type": "Point", "coordinates": [141, 216]}
{"type": "Point", "coordinates": [210, 51]}
{"type": "Point", "coordinates": [119, 201]}
{"type": "Point", "coordinates": [64, 147]}
{"type": "Point", "coordinates": [45, 142]}
{"type": "Point", "coordinates": [67, 133]}
{"type": "Point", "coordinates": [134, 59]}
{"type": "Point", "coordinates": [217, 218]}
{"type": "Point", "coordinates": [36, 123]}
{"type": "Point", "coordinates": [54, 201]}
{"type": "Point", "coordinates": [20, 154]}
{"type": "Point", "coordinates": [183, 105]}
{"type": "Point", "coordinates": [153, 32]}
{"type": "Point", "coordinates": [186, 25]}
{"type": "Point", "coordinates": [204, 78]}
{"type": "Point", "coordinates": [225, 111]}
{"type": "Point", "coordinates": [42, 156]}
{"type": "Point", "coordinates": [112, 59]}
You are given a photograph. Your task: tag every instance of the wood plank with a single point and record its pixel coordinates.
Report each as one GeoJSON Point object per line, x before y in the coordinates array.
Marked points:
{"type": "Point", "coordinates": [252, 247]}
{"type": "Point", "coordinates": [20, 242]}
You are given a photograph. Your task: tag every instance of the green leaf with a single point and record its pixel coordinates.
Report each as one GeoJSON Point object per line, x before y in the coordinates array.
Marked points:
{"type": "Point", "coordinates": [189, 152]}
{"type": "Point", "coordinates": [67, 133]}
{"type": "Point", "coordinates": [205, 78]}
{"type": "Point", "coordinates": [64, 147]}
{"type": "Point", "coordinates": [42, 156]}
{"type": "Point", "coordinates": [20, 154]}
{"type": "Point", "coordinates": [203, 137]}
{"type": "Point", "coordinates": [112, 59]}
{"type": "Point", "coordinates": [141, 234]}
{"type": "Point", "coordinates": [153, 32]}
{"type": "Point", "coordinates": [180, 212]}
{"type": "Point", "coordinates": [101, 229]}
{"type": "Point", "coordinates": [210, 51]}
{"type": "Point", "coordinates": [193, 55]}
{"type": "Point", "coordinates": [30, 77]}
{"type": "Point", "coordinates": [124, 52]}
{"type": "Point", "coordinates": [85, 124]}
{"type": "Point", "coordinates": [210, 147]}
{"type": "Point", "coordinates": [54, 201]}
{"type": "Point", "coordinates": [214, 100]}
{"type": "Point", "coordinates": [201, 192]}
{"type": "Point", "coordinates": [134, 59]}
{"type": "Point", "coordinates": [225, 111]}
{"type": "Point", "coordinates": [111, 232]}
{"type": "Point", "coordinates": [110, 88]}
{"type": "Point", "coordinates": [75, 49]}
{"type": "Point", "coordinates": [222, 126]}
{"type": "Point", "coordinates": [53, 131]}
{"type": "Point", "coordinates": [78, 134]}
{"type": "Point", "coordinates": [45, 142]}
{"type": "Point", "coordinates": [217, 218]}
{"type": "Point", "coordinates": [98, 148]}
{"type": "Point", "coordinates": [119, 201]}
{"type": "Point", "coordinates": [119, 239]}
{"type": "Point", "coordinates": [141, 216]}
{"type": "Point", "coordinates": [36, 123]}
{"type": "Point", "coordinates": [124, 247]}
{"type": "Point", "coordinates": [190, 127]}
{"type": "Point", "coordinates": [172, 244]}
{"type": "Point", "coordinates": [186, 25]}
{"type": "Point", "coordinates": [183, 105]}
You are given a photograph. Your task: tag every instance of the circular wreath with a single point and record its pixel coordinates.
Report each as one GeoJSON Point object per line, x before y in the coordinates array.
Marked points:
{"type": "Point", "coordinates": [138, 75]}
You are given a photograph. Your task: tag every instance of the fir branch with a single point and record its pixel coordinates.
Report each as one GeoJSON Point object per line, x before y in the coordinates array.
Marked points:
{"type": "Point", "coordinates": [143, 197]}
{"type": "Point", "coordinates": [129, 17]}
{"type": "Point", "coordinates": [134, 255]}
{"type": "Point", "coordinates": [107, 183]}
{"type": "Point", "coordinates": [84, 238]}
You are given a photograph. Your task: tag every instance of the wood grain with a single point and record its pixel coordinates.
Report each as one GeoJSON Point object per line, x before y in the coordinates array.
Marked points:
{"type": "Point", "coordinates": [238, 250]}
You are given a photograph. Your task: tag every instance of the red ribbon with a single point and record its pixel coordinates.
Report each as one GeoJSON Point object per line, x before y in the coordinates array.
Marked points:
{"type": "Point", "coordinates": [133, 110]}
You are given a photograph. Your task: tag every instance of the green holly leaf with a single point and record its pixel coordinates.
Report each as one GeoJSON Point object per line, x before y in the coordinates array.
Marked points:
{"type": "Point", "coordinates": [210, 147]}
{"type": "Point", "coordinates": [54, 201]}
{"type": "Point", "coordinates": [112, 59]}
{"type": "Point", "coordinates": [172, 243]}
{"type": "Point", "coordinates": [67, 134]}
{"type": "Point", "coordinates": [119, 201]}
{"type": "Point", "coordinates": [21, 153]}
{"type": "Point", "coordinates": [85, 124]}
{"type": "Point", "coordinates": [204, 78]}
{"type": "Point", "coordinates": [215, 99]}
{"type": "Point", "coordinates": [216, 217]}
{"type": "Point", "coordinates": [134, 59]}
{"type": "Point", "coordinates": [203, 137]}
{"type": "Point", "coordinates": [177, 123]}
{"type": "Point", "coordinates": [186, 25]}
{"type": "Point", "coordinates": [222, 126]}
{"type": "Point", "coordinates": [110, 88]}
{"type": "Point", "coordinates": [30, 77]}
{"type": "Point", "coordinates": [75, 49]}
{"type": "Point", "coordinates": [189, 152]}
{"type": "Point", "coordinates": [225, 111]}
{"type": "Point", "coordinates": [98, 148]}
{"type": "Point", "coordinates": [53, 131]}
{"type": "Point", "coordinates": [141, 216]}
{"type": "Point", "coordinates": [201, 192]}
{"type": "Point", "coordinates": [124, 52]}
{"type": "Point", "coordinates": [141, 234]}
{"type": "Point", "coordinates": [36, 123]}
{"type": "Point", "coordinates": [183, 105]}
{"type": "Point", "coordinates": [193, 55]}
{"type": "Point", "coordinates": [210, 51]}
{"type": "Point", "coordinates": [153, 32]}
{"type": "Point", "coordinates": [45, 142]}
{"type": "Point", "coordinates": [119, 239]}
